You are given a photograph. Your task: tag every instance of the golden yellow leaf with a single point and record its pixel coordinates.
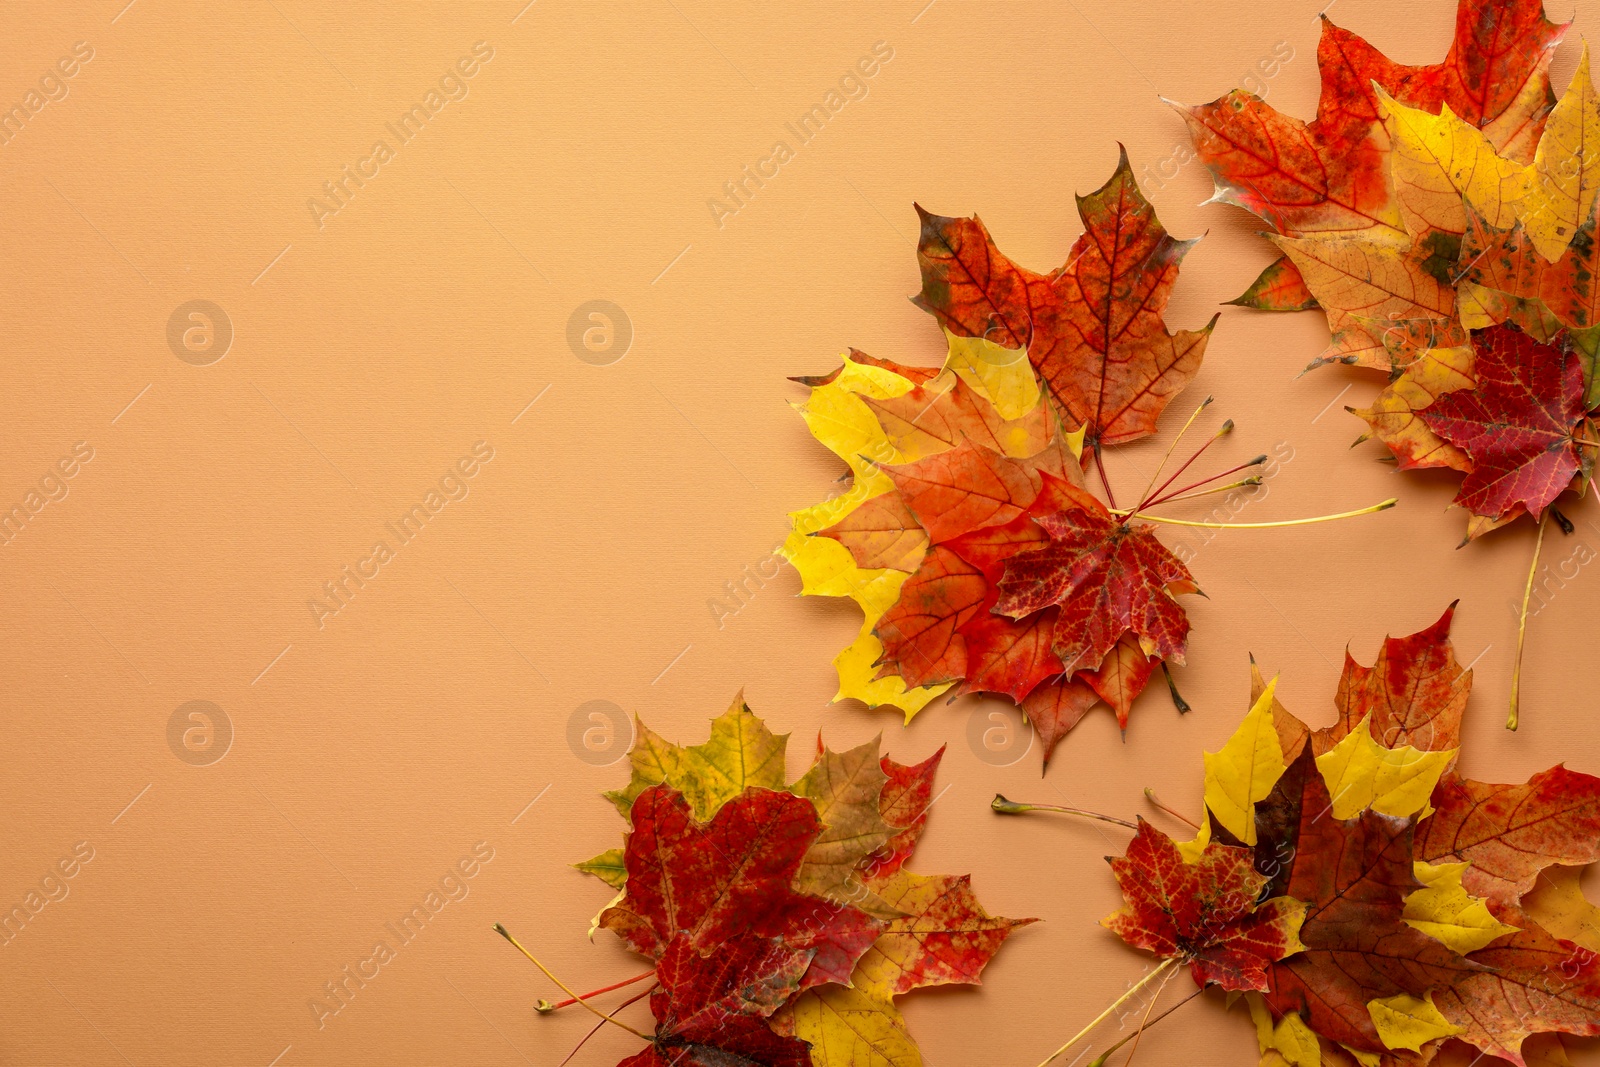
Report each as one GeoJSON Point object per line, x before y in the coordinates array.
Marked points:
{"type": "Point", "coordinates": [1438, 160]}
{"type": "Point", "coordinates": [1446, 912]}
{"type": "Point", "coordinates": [1001, 375]}
{"type": "Point", "coordinates": [1191, 851]}
{"type": "Point", "coordinates": [1566, 167]}
{"type": "Point", "coordinates": [1245, 770]}
{"type": "Point", "coordinates": [1361, 774]}
{"type": "Point", "coordinates": [1408, 1022]}
{"type": "Point", "coordinates": [850, 1028]}
{"type": "Point", "coordinates": [1290, 1037]}
{"type": "Point", "coordinates": [1557, 903]}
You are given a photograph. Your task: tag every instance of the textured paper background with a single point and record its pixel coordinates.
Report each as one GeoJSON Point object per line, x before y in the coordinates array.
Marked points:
{"type": "Point", "coordinates": [371, 753]}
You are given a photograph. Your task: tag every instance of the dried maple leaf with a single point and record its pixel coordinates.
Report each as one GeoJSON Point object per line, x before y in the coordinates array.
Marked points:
{"type": "Point", "coordinates": [1331, 175]}
{"type": "Point", "coordinates": [704, 1012]}
{"type": "Point", "coordinates": [1519, 424]}
{"type": "Point", "coordinates": [1424, 925]}
{"type": "Point", "coordinates": [1093, 327]}
{"type": "Point", "coordinates": [1204, 913]}
{"type": "Point", "coordinates": [981, 561]}
{"type": "Point", "coordinates": [781, 919]}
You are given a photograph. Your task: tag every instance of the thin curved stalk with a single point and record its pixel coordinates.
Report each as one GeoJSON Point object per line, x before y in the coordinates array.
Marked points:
{"type": "Point", "coordinates": [1166, 965]}
{"type": "Point", "coordinates": [503, 932]}
{"type": "Point", "coordinates": [1385, 506]}
{"type": "Point", "coordinates": [1522, 624]}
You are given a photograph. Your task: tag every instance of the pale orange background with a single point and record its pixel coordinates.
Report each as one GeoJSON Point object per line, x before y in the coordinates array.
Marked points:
{"type": "Point", "coordinates": [372, 753]}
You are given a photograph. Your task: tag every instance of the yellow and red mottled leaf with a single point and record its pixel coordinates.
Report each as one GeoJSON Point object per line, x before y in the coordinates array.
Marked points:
{"type": "Point", "coordinates": [1509, 833]}
{"type": "Point", "coordinates": [1396, 414]}
{"type": "Point", "coordinates": [1202, 913]}
{"type": "Point", "coordinates": [944, 937]}
{"type": "Point", "coordinates": [1413, 695]}
{"type": "Point", "coordinates": [1278, 288]}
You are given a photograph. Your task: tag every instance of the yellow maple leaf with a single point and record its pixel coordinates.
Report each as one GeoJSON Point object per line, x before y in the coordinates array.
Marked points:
{"type": "Point", "coordinates": [1446, 912]}
{"type": "Point", "coordinates": [848, 1027]}
{"type": "Point", "coordinates": [1360, 773]}
{"type": "Point", "coordinates": [1409, 1022]}
{"type": "Point", "coordinates": [1246, 768]}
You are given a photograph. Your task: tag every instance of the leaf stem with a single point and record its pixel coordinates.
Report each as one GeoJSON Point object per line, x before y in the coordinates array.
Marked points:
{"type": "Point", "coordinates": [1150, 489]}
{"type": "Point", "coordinates": [1139, 1033]}
{"type": "Point", "coordinates": [641, 996]}
{"type": "Point", "coordinates": [1100, 462]}
{"type": "Point", "coordinates": [1254, 479]}
{"type": "Point", "coordinates": [1106, 1055]}
{"type": "Point", "coordinates": [544, 1007]}
{"type": "Point", "coordinates": [503, 932]}
{"type": "Point", "coordinates": [1522, 624]}
{"type": "Point", "coordinates": [1227, 428]}
{"type": "Point", "coordinates": [1172, 687]}
{"type": "Point", "coordinates": [1209, 478]}
{"type": "Point", "coordinates": [1150, 795]}
{"type": "Point", "coordinates": [1012, 807]}
{"type": "Point", "coordinates": [1166, 965]}
{"type": "Point", "coordinates": [1385, 506]}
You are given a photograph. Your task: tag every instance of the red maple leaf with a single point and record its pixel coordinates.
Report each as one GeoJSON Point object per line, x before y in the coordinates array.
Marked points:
{"type": "Point", "coordinates": [711, 1010]}
{"type": "Point", "coordinates": [731, 877]}
{"type": "Point", "coordinates": [1092, 328]}
{"type": "Point", "coordinates": [1204, 913]}
{"type": "Point", "coordinates": [1009, 542]}
{"type": "Point", "coordinates": [1519, 424]}
{"type": "Point", "coordinates": [1109, 578]}
{"type": "Point", "coordinates": [1414, 694]}
{"type": "Point", "coordinates": [1332, 174]}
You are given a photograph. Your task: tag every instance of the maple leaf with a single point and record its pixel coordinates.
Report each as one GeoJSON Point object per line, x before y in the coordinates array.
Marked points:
{"type": "Point", "coordinates": [1414, 694]}
{"type": "Point", "coordinates": [1509, 833]}
{"type": "Point", "coordinates": [1519, 424]}
{"type": "Point", "coordinates": [784, 910]}
{"type": "Point", "coordinates": [1108, 579]}
{"type": "Point", "coordinates": [1203, 913]}
{"type": "Point", "coordinates": [1092, 328]}
{"type": "Point", "coordinates": [704, 1012]}
{"type": "Point", "coordinates": [729, 877]}
{"type": "Point", "coordinates": [1354, 876]}
{"type": "Point", "coordinates": [1331, 175]}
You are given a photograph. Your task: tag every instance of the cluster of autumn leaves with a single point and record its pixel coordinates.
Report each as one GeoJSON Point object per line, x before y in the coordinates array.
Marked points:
{"type": "Point", "coordinates": [1443, 217]}
{"type": "Point", "coordinates": [1371, 906]}
{"type": "Point", "coordinates": [980, 558]}
{"type": "Point", "coordinates": [780, 918]}
{"type": "Point", "coordinates": [1370, 903]}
